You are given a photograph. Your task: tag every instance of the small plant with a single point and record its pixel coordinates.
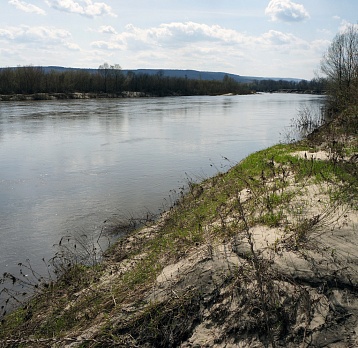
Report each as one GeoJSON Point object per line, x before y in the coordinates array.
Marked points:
{"type": "Point", "coordinates": [272, 219]}
{"type": "Point", "coordinates": [307, 121]}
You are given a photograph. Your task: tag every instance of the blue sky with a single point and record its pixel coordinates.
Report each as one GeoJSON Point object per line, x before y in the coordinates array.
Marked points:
{"type": "Point", "coordinates": [271, 38]}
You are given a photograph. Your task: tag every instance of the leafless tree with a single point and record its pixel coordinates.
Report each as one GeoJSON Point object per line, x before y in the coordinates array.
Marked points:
{"type": "Point", "coordinates": [340, 65]}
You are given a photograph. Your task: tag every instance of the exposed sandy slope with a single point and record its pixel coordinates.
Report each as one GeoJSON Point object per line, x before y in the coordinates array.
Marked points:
{"type": "Point", "coordinates": [311, 279]}
{"type": "Point", "coordinates": [329, 259]}
{"type": "Point", "coordinates": [295, 285]}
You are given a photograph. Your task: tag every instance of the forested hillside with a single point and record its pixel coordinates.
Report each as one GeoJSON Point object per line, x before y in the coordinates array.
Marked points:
{"type": "Point", "coordinates": [111, 79]}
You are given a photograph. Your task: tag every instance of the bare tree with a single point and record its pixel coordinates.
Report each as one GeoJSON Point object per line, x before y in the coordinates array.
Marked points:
{"type": "Point", "coordinates": [112, 77]}
{"type": "Point", "coordinates": [104, 73]}
{"type": "Point", "coordinates": [340, 65]}
{"type": "Point", "coordinates": [118, 77]}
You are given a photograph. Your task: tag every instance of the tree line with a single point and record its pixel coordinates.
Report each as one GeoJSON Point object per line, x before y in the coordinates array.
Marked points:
{"type": "Point", "coordinates": [316, 85]}
{"type": "Point", "coordinates": [109, 80]}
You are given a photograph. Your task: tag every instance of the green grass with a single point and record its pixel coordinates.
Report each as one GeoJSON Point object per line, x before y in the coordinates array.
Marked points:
{"type": "Point", "coordinates": [272, 219]}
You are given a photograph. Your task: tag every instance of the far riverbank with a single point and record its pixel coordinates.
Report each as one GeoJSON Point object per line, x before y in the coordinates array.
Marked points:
{"type": "Point", "coordinates": [74, 95]}
{"type": "Point", "coordinates": [123, 94]}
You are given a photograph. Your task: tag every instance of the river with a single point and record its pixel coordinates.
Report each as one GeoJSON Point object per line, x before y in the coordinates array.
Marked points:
{"type": "Point", "coordinates": [68, 166]}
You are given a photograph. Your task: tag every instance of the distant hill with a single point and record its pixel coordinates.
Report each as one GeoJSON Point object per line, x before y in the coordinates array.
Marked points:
{"type": "Point", "coordinates": [190, 74]}
{"type": "Point", "coordinates": [206, 75]}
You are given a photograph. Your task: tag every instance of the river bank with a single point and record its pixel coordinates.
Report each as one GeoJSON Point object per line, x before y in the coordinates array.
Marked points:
{"type": "Point", "coordinates": [123, 94]}
{"type": "Point", "coordinates": [74, 95]}
{"type": "Point", "coordinates": [263, 255]}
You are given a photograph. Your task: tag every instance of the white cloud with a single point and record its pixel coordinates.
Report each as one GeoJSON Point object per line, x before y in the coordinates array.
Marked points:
{"type": "Point", "coordinates": [108, 45]}
{"type": "Point", "coordinates": [107, 29]}
{"type": "Point", "coordinates": [171, 35]}
{"type": "Point", "coordinates": [180, 45]}
{"type": "Point", "coordinates": [72, 46]}
{"type": "Point", "coordinates": [38, 45]}
{"type": "Point", "coordinates": [278, 38]}
{"type": "Point", "coordinates": [191, 31]}
{"type": "Point", "coordinates": [83, 7]}
{"type": "Point", "coordinates": [286, 11]}
{"type": "Point", "coordinates": [66, 5]}
{"type": "Point", "coordinates": [98, 9]}
{"type": "Point", "coordinates": [24, 6]}
{"type": "Point", "coordinates": [183, 45]}
{"type": "Point", "coordinates": [46, 33]}
{"type": "Point", "coordinates": [276, 43]}
{"type": "Point", "coordinates": [198, 37]}
{"type": "Point", "coordinates": [6, 34]}
{"type": "Point", "coordinates": [39, 34]}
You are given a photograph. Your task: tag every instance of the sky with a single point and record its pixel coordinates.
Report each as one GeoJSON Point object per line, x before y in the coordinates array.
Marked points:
{"type": "Point", "coordinates": [268, 38]}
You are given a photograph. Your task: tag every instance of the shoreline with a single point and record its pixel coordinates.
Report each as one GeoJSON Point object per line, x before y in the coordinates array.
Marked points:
{"type": "Point", "coordinates": [123, 94]}
{"type": "Point", "coordinates": [74, 95]}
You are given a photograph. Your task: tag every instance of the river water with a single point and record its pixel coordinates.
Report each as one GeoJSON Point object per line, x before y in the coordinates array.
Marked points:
{"type": "Point", "coordinates": [67, 166]}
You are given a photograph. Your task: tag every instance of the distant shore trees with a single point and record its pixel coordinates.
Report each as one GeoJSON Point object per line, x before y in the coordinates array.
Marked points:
{"type": "Point", "coordinates": [316, 85]}
{"type": "Point", "coordinates": [109, 79]}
